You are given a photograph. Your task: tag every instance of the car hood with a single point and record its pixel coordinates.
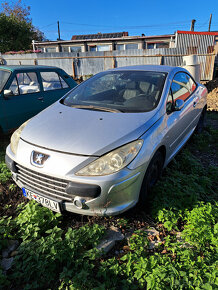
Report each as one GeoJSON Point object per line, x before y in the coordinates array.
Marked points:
{"type": "Point", "coordinates": [85, 132]}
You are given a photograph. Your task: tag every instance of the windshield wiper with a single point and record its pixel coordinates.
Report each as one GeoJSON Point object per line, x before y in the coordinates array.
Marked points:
{"type": "Point", "coordinates": [91, 107]}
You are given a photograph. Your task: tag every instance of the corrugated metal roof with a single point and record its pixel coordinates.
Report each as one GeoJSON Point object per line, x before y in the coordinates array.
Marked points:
{"type": "Point", "coordinates": [198, 32]}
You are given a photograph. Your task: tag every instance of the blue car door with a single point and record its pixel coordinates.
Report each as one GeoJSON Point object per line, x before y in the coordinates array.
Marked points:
{"type": "Point", "coordinates": [24, 101]}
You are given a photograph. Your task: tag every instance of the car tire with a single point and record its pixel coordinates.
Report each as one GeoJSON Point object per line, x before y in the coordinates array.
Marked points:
{"type": "Point", "coordinates": [151, 177]}
{"type": "Point", "coordinates": [201, 123]}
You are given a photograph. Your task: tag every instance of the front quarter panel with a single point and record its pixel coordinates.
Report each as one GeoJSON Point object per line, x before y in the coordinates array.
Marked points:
{"type": "Point", "coordinates": [152, 140]}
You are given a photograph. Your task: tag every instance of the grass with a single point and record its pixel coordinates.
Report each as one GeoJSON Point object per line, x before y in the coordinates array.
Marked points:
{"type": "Point", "coordinates": [56, 252]}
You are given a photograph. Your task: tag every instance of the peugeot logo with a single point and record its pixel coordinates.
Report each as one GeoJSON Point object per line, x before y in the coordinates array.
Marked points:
{"type": "Point", "coordinates": [38, 159]}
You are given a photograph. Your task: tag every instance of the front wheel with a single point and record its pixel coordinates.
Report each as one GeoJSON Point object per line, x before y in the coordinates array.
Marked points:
{"type": "Point", "coordinates": [151, 177]}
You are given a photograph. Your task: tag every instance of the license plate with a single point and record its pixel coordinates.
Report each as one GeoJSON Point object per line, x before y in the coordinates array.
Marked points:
{"type": "Point", "coordinates": [47, 202]}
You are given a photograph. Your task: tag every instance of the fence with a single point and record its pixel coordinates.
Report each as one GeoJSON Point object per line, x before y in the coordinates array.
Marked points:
{"type": "Point", "coordinates": [87, 63]}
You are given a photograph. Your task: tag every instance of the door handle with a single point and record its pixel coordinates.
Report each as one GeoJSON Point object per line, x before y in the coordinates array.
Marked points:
{"type": "Point", "coordinates": [194, 104]}
{"type": "Point", "coordinates": [40, 98]}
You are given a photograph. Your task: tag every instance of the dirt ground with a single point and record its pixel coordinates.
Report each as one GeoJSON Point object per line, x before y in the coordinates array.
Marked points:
{"type": "Point", "coordinates": [212, 98]}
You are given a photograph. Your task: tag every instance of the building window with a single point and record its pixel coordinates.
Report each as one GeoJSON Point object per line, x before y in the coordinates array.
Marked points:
{"type": "Point", "coordinates": [150, 45]}
{"type": "Point", "coordinates": [132, 46]}
{"type": "Point", "coordinates": [93, 48]}
{"type": "Point", "coordinates": [99, 48]}
{"type": "Point", "coordinates": [158, 45]}
{"type": "Point", "coordinates": [120, 47]}
{"type": "Point", "coordinates": [50, 49]}
{"type": "Point", "coordinates": [162, 45]}
{"type": "Point", "coordinates": [103, 47]}
{"type": "Point", "coordinates": [65, 48]}
{"type": "Point", "coordinates": [75, 49]}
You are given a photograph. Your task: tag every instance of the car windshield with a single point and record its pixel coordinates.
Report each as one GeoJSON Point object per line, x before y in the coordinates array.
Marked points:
{"type": "Point", "coordinates": [118, 91]}
{"type": "Point", "coordinates": [4, 75]}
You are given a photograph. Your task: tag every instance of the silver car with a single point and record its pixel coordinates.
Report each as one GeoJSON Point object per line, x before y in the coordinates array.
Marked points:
{"type": "Point", "coordinates": [101, 148]}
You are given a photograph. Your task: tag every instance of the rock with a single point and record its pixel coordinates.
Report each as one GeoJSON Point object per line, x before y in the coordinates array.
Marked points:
{"type": "Point", "coordinates": [151, 232]}
{"type": "Point", "coordinates": [6, 263]}
{"type": "Point", "coordinates": [112, 235]}
{"type": "Point", "coordinates": [178, 237]}
{"type": "Point", "coordinates": [115, 234]}
{"type": "Point", "coordinates": [106, 245]}
{"type": "Point", "coordinates": [14, 253]}
{"type": "Point", "coordinates": [152, 245]}
{"type": "Point", "coordinates": [12, 245]}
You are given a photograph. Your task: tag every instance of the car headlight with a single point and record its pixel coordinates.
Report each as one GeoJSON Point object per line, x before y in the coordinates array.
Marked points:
{"type": "Point", "coordinates": [113, 161]}
{"type": "Point", "coordinates": [15, 137]}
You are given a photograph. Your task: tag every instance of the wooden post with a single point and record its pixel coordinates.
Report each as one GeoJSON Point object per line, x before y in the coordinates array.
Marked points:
{"type": "Point", "coordinates": [59, 35]}
{"type": "Point", "coordinates": [113, 62]}
{"type": "Point", "coordinates": [193, 25]}
{"type": "Point", "coordinates": [210, 22]}
{"type": "Point", "coordinates": [73, 69]}
{"type": "Point", "coordinates": [161, 59]}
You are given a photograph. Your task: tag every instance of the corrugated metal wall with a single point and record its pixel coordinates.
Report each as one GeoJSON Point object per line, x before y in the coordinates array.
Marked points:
{"type": "Point", "coordinates": [195, 43]}
{"type": "Point", "coordinates": [86, 63]}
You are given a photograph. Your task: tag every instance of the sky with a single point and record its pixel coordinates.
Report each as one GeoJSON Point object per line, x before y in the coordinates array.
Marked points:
{"type": "Point", "coordinates": [152, 17]}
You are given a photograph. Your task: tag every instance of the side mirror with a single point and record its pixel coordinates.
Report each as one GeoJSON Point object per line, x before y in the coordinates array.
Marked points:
{"type": "Point", "coordinates": [7, 94]}
{"type": "Point", "coordinates": [179, 104]}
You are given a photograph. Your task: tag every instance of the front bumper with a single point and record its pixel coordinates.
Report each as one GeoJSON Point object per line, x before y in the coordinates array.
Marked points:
{"type": "Point", "coordinates": [103, 195]}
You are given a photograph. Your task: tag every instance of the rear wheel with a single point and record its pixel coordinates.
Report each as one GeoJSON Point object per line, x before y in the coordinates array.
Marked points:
{"type": "Point", "coordinates": [152, 175]}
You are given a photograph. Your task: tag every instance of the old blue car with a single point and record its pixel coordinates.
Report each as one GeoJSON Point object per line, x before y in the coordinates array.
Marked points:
{"type": "Point", "coordinates": [27, 90]}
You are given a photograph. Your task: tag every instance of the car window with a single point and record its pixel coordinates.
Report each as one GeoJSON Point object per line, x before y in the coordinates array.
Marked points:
{"type": "Point", "coordinates": [4, 75]}
{"type": "Point", "coordinates": [127, 91]}
{"type": "Point", "coordinates": [14, 86]}
{"type": "Point", "coordinates": [169, 105]}
{"type": "Point", "coordinates": [52, 81]}
{"type": "Point", "coordinates": [180, 87]}
{"type": "Point", "coordinates": [191, 84]}
{"type": "Point", "coordinates": [27, 83]}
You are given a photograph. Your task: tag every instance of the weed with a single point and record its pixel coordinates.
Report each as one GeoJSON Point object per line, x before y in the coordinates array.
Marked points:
{"type": "Point", "coordinates": [184, 200]}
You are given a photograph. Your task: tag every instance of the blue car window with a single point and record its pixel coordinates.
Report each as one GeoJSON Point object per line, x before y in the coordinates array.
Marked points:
{"type": "Point", "coordinates": [14, 87]}
{"type": "Point", "coordinates": [4, 75]}
{"type": "Point", "coordinates": [51, 81]}
{"type": "Point", "coordinates": [27, 82]}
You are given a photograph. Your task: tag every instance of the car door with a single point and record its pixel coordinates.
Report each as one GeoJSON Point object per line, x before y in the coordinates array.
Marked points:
{"type": "Point", "coordinates": [180, 123]}
{"type": "Point", "coordinates": [54, 86]}
{"type": "Point", "coordinates": [24, 101]}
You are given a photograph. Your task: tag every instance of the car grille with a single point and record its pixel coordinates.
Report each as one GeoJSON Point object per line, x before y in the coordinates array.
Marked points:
{"type": "Point", "coordinates": [41, 183]}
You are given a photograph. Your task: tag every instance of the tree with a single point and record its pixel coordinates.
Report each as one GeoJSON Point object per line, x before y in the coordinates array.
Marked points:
{"type": "Point", "coordinates": [17, 10]}
{"type": "Point", "coordinates": [16, 29]}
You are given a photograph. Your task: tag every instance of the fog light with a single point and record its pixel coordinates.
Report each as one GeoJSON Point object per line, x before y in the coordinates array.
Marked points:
{"type": "Point", "coordinates": [79, 202]}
